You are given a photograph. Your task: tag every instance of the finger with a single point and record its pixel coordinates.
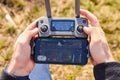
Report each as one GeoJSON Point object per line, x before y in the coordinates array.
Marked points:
{"type": "Point", "coordinates": [87, 30]}
{"type": "Point", "coordinates": [36, 36]}
{"type": "Point", "coordinates": [93, 19]}
{"type": "Point", "coordinates": [32, 25]}
{"type": "Point", "coordinates": [32, 33]}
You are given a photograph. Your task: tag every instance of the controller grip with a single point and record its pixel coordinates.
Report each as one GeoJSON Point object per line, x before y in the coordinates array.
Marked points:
{"type": "Point", "coordinates": [32, 46]}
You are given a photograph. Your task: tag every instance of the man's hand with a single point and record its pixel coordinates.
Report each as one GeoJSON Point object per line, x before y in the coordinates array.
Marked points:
{"type": "Point", "coordinates": [21, 63]}
{"type": "Point", "coordinates": [98, 45]}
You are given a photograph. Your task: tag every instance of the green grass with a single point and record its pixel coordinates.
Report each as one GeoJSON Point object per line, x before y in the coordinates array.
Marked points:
{"type": "Point", "coordinates": [7, 56]}
{"type": "Point", "coordinates": [10, 30]}
{"type": "Point", "coordinates": [2, 44]}
{"type": "Point", "coordinates": [17, 4]}
{"type": "Point", "coordinates": [71, 77]}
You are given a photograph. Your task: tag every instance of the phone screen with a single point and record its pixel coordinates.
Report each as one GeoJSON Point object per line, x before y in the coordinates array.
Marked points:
{"type": "Point", "coordinates": [61, 50]}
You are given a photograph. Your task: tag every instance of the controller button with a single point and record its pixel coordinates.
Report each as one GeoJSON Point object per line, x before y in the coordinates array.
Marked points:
{"type": "Point", "coordinates": [41, 21]}
{"type": "Point", "coordinates": [44, 28]}
{"type": "Point", "coordinates": [80, 28]}
{"type": "Point", "coordinates": [84, 21]}
{"type": "Point", "coordinates": [41, 58]}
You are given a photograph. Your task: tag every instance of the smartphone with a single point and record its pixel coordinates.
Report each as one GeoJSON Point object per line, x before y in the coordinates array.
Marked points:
{"type": "Point", "coordinates": [61, 51]}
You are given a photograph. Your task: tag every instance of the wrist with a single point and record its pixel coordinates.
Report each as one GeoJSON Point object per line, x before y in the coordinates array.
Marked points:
{"type": "Point", "coordinates": [7, 76]}
{"type": "Point", "coordinates": [16, 69]}
{"type": "Point", "coordinates": [107, 61]}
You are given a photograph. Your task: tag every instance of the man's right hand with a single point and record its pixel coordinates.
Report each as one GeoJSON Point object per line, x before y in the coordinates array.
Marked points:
{"type": "Point", "coordinates": [98, 45]}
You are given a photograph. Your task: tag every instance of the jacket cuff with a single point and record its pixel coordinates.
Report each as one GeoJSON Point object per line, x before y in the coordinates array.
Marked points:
{"type": "Point", "coordinates": [7, 76]}
{"type": "Point", "coordinates": [107, 71]}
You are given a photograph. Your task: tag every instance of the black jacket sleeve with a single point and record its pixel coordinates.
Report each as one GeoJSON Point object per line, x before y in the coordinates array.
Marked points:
{"type": "Point", "coordinates": [103, 71]}
{"type": "Point", "coordinates": [6, 76]}
{"type": "Point", "coordinates": [107, 71]}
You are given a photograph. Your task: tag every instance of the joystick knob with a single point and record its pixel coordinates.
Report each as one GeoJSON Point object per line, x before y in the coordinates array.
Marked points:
{"type": "Point", "coordinates": [80, 28]}
{"type": "Point", "coordinates": [44, 28]}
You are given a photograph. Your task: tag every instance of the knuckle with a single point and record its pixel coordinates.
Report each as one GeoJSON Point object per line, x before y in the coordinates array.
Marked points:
{"type": "Point", "coordinates": [99, 40]}
{"type": "Point", "coordinates": [95, 18]}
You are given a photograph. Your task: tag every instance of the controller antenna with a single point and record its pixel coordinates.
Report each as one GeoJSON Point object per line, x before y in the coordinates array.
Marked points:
{"type": "Point", "coordinates": [48, 9]}
{"type": "Point", "coordinates": [77, 8]}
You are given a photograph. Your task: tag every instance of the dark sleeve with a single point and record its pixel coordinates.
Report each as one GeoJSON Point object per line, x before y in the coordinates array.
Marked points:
{"type": "Point", "coordinates": [6, 76]}
{"type": "Point", "coordinates": [107, 71]}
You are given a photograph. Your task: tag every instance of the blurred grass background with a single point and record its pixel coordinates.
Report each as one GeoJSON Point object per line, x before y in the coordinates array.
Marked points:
{"type": "Point", "coordinates": [15, 15]}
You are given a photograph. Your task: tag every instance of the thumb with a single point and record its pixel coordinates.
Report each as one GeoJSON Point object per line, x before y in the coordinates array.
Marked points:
{"type": "Point", "coordinates": [87, 30]}
{"type": "Point", "coordinates": [34, 32]}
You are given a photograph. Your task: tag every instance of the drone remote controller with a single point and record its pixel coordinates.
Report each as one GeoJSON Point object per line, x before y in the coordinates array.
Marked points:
{"type": "Point", "coordinates": [61, 40]}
